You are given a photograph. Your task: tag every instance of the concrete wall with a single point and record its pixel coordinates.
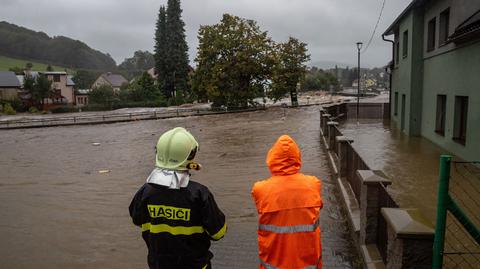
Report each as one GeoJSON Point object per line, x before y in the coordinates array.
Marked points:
{"type": "Point", "coordinates": [453, 73]}
{"type": "Point", "coordinates": [8, 93]}
{"type": "Point", "coordinates": [416, 92]}
{"type": "Point", "coordinates": [401, 76]}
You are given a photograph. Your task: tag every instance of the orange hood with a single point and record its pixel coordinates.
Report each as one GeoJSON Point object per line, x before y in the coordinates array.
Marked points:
{"type": "Point", "coordinates": [284, 157]}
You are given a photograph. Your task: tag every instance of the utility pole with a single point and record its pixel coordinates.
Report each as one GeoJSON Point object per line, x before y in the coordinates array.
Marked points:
{"type": "Point", "coordinates": [359, 47]}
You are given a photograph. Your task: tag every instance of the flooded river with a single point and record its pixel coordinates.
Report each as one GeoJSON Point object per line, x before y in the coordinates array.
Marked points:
{"type": "Point", "coordinates": [58, 211]}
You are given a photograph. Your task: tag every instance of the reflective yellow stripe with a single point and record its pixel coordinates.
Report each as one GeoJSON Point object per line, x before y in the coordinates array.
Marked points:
{"type": "Point", "coordinates": [175, 230]}
{"type": "Point", "coordinates": [205, 267]}
{"type": "Point", "coordinates": [220, 233]}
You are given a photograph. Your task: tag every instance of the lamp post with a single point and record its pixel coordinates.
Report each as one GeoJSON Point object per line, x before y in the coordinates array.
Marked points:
{"type": "Point", "coordinates": [359, 47]}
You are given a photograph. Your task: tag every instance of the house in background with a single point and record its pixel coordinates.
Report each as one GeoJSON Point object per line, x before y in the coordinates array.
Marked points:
{"type": "Point", "coordinates": [81, 97]}
{"type": "Point", "coordinates": [9, 85]}
{"type": "Point", "coordinates": [62, 85]}
{"type": "Point", "coordinates": [115, 81]}
{"type": "Point", "coordinates": [435, 73]}
{"type": "Point", "coordinates": [153, 74]}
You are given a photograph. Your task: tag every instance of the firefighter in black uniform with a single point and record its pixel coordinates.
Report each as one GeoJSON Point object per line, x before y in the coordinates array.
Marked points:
{"type": "Point", "coordinates": [178, 217]}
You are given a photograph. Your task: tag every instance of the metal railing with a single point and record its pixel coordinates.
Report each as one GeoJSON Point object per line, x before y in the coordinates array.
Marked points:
{"type": "Point", "coordinates": [110, 117]}
{"type": "Point", "coordinates": [457, 231]}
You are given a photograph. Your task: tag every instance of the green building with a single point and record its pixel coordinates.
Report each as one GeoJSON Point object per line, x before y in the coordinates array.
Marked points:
{"type": "Point", "coordinates": [435, 73]}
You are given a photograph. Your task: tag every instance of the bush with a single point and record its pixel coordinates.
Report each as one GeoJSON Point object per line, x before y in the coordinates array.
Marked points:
{"type": "Point", "coordinates": [33, 109]}
{"type": "Point", "coordinates": [150, 103]}
{"type": "Point", "coordinates": [17, 105]}
{"type": "Point", "coordinates": [8, 109]}
{"type": "Point", "coordinates": [63, 109]}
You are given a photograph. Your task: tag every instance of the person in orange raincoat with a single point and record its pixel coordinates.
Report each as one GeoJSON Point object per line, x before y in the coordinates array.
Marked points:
{"type": "Point", "coordinates": [288, 205]}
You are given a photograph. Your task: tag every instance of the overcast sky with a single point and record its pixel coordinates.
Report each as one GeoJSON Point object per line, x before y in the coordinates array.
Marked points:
{"type": "Point", "coordinates": [119, 27]}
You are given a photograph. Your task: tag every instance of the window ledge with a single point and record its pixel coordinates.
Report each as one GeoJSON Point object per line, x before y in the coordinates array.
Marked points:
{"type": "Point", "coordinates": [440, 132]}
{"type": "Point", "coordinates": [459, 141]}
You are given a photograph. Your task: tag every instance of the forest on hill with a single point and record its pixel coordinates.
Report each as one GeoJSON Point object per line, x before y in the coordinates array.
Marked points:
{"type": "Point", "coordinates": [23, 43]}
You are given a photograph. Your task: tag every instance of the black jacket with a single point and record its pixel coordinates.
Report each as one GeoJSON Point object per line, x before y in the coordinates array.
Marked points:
{"type": "Point", "coordinates": [177, 224]}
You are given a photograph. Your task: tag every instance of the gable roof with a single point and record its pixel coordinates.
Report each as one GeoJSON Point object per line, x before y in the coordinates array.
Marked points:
{"type": "Point", "coordinates": [116, 80]}
{"type": "Point", "coordinates": [8, 79]}
{"type": "Point", "coordinates": [70, 81]}
{"type": "Point", "coordinates": [467, 30]}
{"type": "Point", "coordinates": [412, 5]}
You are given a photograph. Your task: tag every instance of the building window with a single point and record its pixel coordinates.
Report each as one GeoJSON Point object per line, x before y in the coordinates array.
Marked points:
{"type": "Point", "coordinates": [431, 34]}
{"type": "Point", "coordinates": [395, 108]}
{"type": "Point", "coordinates": [405, 44]}
{"type": "Point", "coordinates": [460, 119]}
{"type": "Point", "coordinates": [441, 112]}
{"type": "Point", "coordinates": [444, 24]}
{"type": "Point", "coordinates": [56, 78]}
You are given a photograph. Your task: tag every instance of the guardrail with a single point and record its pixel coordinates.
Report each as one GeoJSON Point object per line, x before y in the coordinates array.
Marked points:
{"type": "Point", "coordinates": [112, 117]}
{"type": "Point", "coordinates": [377, 222]}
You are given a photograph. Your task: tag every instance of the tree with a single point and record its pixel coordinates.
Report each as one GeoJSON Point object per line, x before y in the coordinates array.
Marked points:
{"type": "Point", "coordinates": [234, 62]}
{"type": "Point", "coordinates": [176, 59]}
{"type": "Point", "coordinates": [136, 65]}
{"type": "Point", "coordinates": [317, 79]}
{"type": "Point", "coordinates": [84, 79]}
{"type": "Point", "coordinates": [28, 66]}
{"type": "Point", "coordinates": [41, 89]}
{"type": "Point", "coordinates": [102, 95]}
{"type": "Point", "coordinates": [161, 49]}
{"type": "Point", "coordinates": [49, 68]}
{"type": "Point", "coordinates": [144, 89]}
{"type": "Point", "coordinates": [289, 67]}
{"type": "Point", "coordinates": [17, 70]}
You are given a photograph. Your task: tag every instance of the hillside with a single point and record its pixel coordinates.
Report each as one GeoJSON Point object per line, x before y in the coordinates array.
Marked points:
{"type": "Point", "coordinates": [6, 63]}
{"type": "Point", "coordinates": [23, 43]}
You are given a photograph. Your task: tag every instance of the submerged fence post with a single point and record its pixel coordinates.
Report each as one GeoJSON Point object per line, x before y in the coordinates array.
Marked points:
{"type": "Point", "coordinates": [410, 239]}
{"type": "Point", "coordinates": [322, 111]}
{"type": "Point", "coordinates": [441, 211]}
{"type": "Point", "coordinates": [331, 134]}
{"type": "Point", "coordinates": [370, 203]}
{"type": "Point", "coordinates": [342, 165]}
{"type": "Point", "coordinates": [325, 119]}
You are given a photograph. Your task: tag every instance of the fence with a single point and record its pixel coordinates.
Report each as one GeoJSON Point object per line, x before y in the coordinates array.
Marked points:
{"type": "Point", "coordinates": [385, 200]}
{"type": "Point", "coordinates": [457, 234]}
{"type": "Point", "coordinates": [373, 213]}
{"type": "Point", "coordinates": [110, 117]}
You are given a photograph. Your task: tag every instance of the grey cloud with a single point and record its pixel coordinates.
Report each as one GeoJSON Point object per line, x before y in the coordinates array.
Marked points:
{"type": "Point", "coordinates": [119, 27]}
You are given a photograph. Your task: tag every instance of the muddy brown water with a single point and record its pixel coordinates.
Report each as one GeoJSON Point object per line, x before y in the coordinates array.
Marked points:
{"type": "Point", "coordinates": [58, 211]}
{"type": "Point", "coordinates": [412, 163]}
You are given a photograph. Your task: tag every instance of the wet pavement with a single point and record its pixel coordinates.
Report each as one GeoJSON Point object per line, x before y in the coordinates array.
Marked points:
{"type": "Point", "coordinates": [58, 211]}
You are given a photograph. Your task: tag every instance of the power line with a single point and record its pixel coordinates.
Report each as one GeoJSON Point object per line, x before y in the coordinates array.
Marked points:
{"type": "Point", "coordinates": [376, 25]}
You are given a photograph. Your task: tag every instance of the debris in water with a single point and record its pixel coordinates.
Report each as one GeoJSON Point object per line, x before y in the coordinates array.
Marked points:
{"type": "Point", "coordinates": [104, 171]}
{"type": "Point", "coordinates": [96, 144]}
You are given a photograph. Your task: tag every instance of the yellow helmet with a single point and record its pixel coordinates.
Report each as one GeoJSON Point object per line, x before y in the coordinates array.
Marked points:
{"type": "Point", "coordinates": [175, 149]}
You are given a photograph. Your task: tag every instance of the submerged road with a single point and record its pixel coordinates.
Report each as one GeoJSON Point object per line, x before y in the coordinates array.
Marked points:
{"type": "Point", "coordinates": [58, 211]}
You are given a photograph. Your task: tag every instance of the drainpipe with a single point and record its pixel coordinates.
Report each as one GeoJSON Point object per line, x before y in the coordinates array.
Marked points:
{"type": "Point", "coordinates": [390, 74]}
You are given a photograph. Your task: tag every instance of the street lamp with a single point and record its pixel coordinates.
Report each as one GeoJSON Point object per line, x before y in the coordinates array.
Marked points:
{"type": "Point", "coordinates": [359, 47]}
